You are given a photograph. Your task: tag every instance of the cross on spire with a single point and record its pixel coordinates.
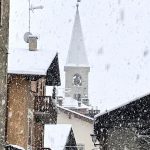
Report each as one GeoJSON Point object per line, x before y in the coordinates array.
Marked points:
{"type": "Point", "coordinates": [77, 5]}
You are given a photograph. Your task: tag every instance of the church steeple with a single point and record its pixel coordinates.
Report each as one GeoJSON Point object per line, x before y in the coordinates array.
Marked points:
{"type": "Point", "coordinates": [77, 67]}
{"type": "Point", "coordinates": [77, 54]}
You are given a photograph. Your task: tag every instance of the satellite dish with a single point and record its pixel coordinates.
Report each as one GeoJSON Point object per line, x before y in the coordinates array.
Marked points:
{"type": "Point", "coordinates": [26, 37]}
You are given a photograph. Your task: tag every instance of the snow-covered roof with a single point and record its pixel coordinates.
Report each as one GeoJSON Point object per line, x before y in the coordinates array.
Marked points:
{"type": "Point", "coordinates": [23, 61]}
{"type": "Point", "coordinates": [77, 54]}
{"type": "Point", "coordinates": [69, 102]}
{"type": "Point", "coordinates": [16, 146]}
{"type": "Point", "coordinates": [80, 116]}
{"type": "Point", "coordinates": [104, 112]}
{"type": "Point", "coordinates": [56, 136]}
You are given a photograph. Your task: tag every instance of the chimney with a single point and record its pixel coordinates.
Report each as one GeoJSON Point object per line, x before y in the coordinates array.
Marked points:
{"type": "Point", "coordinates": [79, 103]}
{"type": "Point", "coordinates": [60, 101]}
{"type": "Point", "coordinates": [33, 43]}
{"type": "Point", "coordinates": [79, 100]}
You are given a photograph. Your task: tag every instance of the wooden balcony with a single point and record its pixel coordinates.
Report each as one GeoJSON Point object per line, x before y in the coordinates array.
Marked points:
{"type": "Point", "coordinates": [43, 149]}
{"type": "Point", "coordinates": [10, 147]}
{"type": "Point", "coordinates": [45, 109]}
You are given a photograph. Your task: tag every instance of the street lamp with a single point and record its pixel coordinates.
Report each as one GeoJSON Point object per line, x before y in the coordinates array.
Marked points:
{"type": "Point", "coordinates": [94, 140]}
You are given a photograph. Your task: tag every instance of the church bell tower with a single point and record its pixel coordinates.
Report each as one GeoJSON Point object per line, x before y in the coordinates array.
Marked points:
{"type": "Point", "coordinates": [77, 66]}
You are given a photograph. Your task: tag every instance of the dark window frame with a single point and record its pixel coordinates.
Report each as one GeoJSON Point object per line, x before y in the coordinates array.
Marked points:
{"type": "Point", "coordinates": [1, 12]}
{"type": "Point", "coordinates": [30, 132]}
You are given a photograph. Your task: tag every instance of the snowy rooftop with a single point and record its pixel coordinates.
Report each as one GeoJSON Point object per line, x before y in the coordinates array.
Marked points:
{"type": "Point", "coordinates": [55, 136]}
{"type": "Point", "coordinates": [81, 116]}
{"type": "Point", "coordinates": [17, 147]}
{"type": "Point", "coordinates": [119, 106]}
{"type": "Point", "coordinates": [23, 61]}
{"type": "Point", "coordinates": [69, 102]}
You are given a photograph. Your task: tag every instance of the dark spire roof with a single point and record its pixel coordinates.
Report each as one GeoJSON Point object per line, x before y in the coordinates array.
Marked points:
{"type": "Point", "coordinates": [53, 73]}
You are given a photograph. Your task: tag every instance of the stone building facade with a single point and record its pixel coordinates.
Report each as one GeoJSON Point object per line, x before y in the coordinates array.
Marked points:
{"type": "Point", "coordinates": [126, 127]}
{"type": "Point", "coordinates": [28, 109]}
{"type": "Point", "coordinates": [4, 32]}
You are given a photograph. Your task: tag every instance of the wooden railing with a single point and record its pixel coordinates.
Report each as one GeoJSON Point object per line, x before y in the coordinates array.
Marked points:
{"type": "Point", "coordinates": [45, 109]}
{"type": "Point", "coordinates": [44, 104]}
{"type": "Point", "coordinates": [10, 147]}
{"type": "Point", "coordinates": [93, 112]}
{"type": "Point", "coordinates": [43, 149]}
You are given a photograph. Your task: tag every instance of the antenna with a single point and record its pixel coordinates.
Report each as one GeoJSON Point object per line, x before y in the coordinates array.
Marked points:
{"type": "Point", "coordinates": [31, 8]}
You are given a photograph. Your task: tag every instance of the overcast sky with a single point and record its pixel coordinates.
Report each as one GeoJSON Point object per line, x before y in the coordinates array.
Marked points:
{"type": "Point", "coordinates": [117, 40]}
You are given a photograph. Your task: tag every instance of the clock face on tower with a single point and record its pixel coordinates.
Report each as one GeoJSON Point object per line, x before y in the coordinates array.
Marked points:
{"type": "Point", "coordinates": [77, 80]}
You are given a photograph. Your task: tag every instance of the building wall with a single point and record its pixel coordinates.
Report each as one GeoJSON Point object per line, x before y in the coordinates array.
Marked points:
{"type": "Point", "coordinates": [128, 125]}
{"type": "Point", "coordinates": [4, 27]}
{"type": "Point", "coordinates": [81, 129]}
{"type": "Point", "coordinates": [19, 102]}
{"type": "Point", "coordinates": [81, 111]}
{"type": "Point", "coordinates": [123, 138]}
{"type": "Point", "coordinates": [69, 73]}
{"type": "Point", "coordinates": [38, 87]}
{"type": "Point", "coordinates": [39, 135]}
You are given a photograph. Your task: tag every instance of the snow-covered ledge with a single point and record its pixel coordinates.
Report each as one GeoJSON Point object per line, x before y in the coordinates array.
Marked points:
{"type": "Point", "coordinates": [15, 147]}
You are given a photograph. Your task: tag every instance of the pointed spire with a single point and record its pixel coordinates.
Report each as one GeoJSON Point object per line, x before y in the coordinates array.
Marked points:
{"type": "Point", "coordinates": [77, 54]}
{"type": "Point", "coordinates": [77, 5]}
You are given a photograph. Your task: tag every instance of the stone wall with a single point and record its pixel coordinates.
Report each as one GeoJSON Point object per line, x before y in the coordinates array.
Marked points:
{"type": "Point", "coordinates": [122, 139]}
{"type": "Point", "coordinates": [4, 30]}
{"type": "Point", "coordinates": [20, 101]}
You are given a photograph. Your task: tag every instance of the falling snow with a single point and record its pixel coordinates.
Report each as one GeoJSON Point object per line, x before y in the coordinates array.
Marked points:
{"type": "Point", "coordinates": [113, 103]}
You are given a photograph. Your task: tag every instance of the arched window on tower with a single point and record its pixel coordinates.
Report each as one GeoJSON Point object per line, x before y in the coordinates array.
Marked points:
{"type": "Point", "coordinates": [77, 97]}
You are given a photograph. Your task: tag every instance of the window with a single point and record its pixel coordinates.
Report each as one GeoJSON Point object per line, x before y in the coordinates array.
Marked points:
{"type": "Point", "coordinates": [41, 87]}
{"type": "Point", "coordinates": [30, 134]}
{"type": "Point", "coordinates": [69, 115]}
{"type": "Point", "coordinates": [34, 86]}
{"type": "Point", "coordinates": [77, 97]}
{"type": "Point", "coordinates": [37, 86]}
{"type": "Point", "coordinates": [80, 146]}
{"type": "Point", "coordinates": [30, 126]}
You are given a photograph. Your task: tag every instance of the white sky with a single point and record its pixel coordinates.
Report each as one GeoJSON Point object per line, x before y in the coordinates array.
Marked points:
{"type": "Point", "coordinates": [117, 40]}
